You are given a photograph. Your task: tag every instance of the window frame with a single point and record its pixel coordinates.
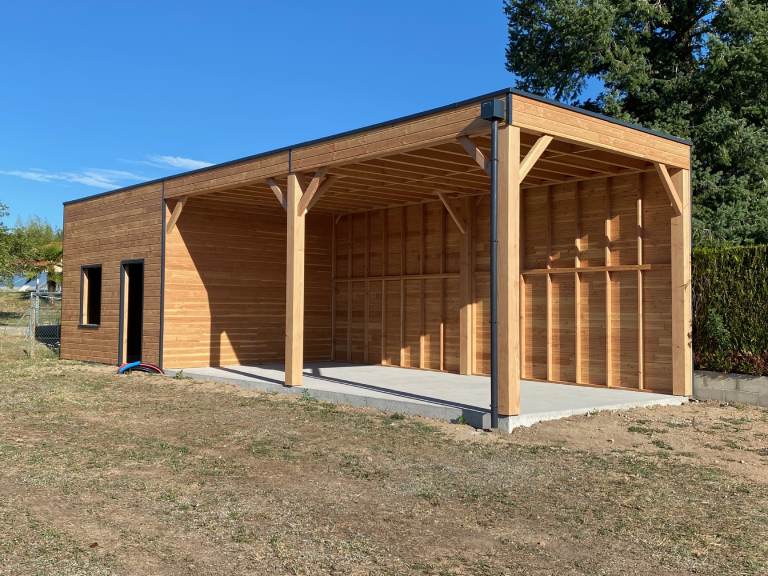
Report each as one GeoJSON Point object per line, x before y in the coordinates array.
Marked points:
{"type": "Point", "coordinates": [83, 323]}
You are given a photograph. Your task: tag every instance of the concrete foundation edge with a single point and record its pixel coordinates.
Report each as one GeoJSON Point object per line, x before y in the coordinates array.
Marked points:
{"type": "Point", "coordinates": [475, 418]}
{"type": "Point", "coordinates": [509, 423]}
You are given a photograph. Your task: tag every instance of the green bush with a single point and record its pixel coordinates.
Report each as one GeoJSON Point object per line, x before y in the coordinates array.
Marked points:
{"type": "Point", "coordinates": [730, 309]}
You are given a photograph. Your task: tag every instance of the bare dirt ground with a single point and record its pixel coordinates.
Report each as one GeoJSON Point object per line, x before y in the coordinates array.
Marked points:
{"type": "Point", "coordinates": [101, 474]}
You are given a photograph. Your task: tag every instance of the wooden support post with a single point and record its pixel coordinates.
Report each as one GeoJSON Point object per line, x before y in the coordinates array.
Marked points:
{"type": "Point", "coordinates": [442, 292]}
{"type": "Point", "coordinates": [509, 270]}
{"type": "Point", "coordinates": [577, 285]}
{"type": "Point", "coordinates": [402, 289]}
{"type": "Point", "coordinates": [608, 295]}
{"type": "Point", "coordinates": [294, 296]}
{"type": "Point", "coordinates": [681, 288]}
{"type": "Point", "coordinates": [350, 237]}
{"type": "Point", "coordinates": [367, 284]}
{"type": "Point", "coordinates": [640, 260]}
{"type": "Point", "coordinates": [548, 295]}
{"type": "Point", "coordinates": [333, 288]}
{"type": "Point", "coordinates": [466, 312]}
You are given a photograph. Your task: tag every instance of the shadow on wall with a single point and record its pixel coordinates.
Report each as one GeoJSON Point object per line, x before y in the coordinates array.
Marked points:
{"type": "Point", "coordinates": [230, 274]}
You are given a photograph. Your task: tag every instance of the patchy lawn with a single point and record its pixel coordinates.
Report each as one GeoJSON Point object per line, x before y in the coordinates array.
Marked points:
{"type": "Point", "coordinates": [148, 475]}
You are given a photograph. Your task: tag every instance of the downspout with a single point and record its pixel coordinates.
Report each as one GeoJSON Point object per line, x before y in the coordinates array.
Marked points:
{"type": "Point", "coordinates": [494, 275]}
{"type": "Point", "coordinates": [493, 110]}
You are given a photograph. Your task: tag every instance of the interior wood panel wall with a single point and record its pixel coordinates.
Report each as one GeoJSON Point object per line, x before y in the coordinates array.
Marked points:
{"type": "Point", "coordinates": [596, 291]}
{"type": "Point", "coordinates": [106, 230]}
{"type": "Point", "coordinates": [396, 298]}
{"type": "Point", "coordinates": [225, 286]}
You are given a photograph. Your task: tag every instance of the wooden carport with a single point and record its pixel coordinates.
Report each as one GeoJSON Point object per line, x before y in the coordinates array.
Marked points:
{"type": "Point", "coordinates": [593, 243]}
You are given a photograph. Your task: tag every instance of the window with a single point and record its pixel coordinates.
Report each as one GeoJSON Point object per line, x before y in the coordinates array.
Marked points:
{"type": "Point", "coordinates": [90, 294]}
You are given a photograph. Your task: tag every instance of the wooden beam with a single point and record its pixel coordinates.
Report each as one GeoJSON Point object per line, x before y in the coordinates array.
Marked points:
{"type": "Point", "coordinates": [608, 283]}
{"type": "Point", "coordinates": [640, 298]}
{"type": "Point", "coordinates": [475, 153]}
{"type": "Point", "coordinates": [533, 155]}
{"type": "Point", "coordinates": [277, 192]}
{"type": "Point", "coordinates": [175, 215]}
{"type": "Point", "coordinates": [509, 271]}
{"type": "Point", "coordinates": [467, 278]}
{"type": "Point", "coordinates": [456, 218]}
{"type": "Point", "coordinates": [311, 191]}
{"type": "Point", "coordinates": [577, 286]}
{"type": "Point", "coordinates": [669, 188]}
{"type": "Point", "coordinates": [681, 289]}
{"type": "Point", "coordinates": [294, 297]}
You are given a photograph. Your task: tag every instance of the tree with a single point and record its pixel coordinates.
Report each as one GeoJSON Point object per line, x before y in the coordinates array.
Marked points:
{"type": "Point", "coordinates": [36, 247]}
{"type": "Point", "coordinates": [694, 68]}
{"type": "Point", "coordinates": [5, 245]}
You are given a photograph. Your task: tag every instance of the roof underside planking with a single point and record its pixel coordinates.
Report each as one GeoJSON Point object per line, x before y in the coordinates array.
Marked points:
{"type": "Point", "coordinates": [411, 160]}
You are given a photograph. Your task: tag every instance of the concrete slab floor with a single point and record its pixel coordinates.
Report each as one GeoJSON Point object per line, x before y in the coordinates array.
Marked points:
{"type": "Point", "coordinates": [439, 395]}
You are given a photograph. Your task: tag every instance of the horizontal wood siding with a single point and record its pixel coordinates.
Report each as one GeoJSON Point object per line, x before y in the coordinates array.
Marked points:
{"type": "Point", "coordinates": [575, 126]}
{"type": "Point", "coordinates": [225, 286]}
{"type": "Point", "coordinates": [397, 288]}
{"type": "Point", "coordinates": [106, 230]}
{"type": "Point", "coordinates": [597, 293]}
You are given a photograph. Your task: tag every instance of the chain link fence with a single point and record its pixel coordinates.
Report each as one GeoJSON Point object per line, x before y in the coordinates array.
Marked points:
{"type": "Point", "coordinates": [30, 324]}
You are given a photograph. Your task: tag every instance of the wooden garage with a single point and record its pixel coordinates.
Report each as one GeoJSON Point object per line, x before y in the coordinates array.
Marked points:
{"type": "Point", "coordinates": [377, 246]}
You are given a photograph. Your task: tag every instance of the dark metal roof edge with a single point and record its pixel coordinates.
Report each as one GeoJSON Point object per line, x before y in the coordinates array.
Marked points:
{"type": "Point", "coordinates": [386, 123]}
{"type": "Point", "coordinates": [299, 145]}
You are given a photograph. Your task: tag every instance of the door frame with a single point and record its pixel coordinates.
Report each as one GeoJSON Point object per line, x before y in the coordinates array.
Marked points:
{"type": "Point", "coordinates": [121, 335]}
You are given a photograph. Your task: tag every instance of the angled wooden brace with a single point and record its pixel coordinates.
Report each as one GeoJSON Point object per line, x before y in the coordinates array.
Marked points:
{"type": "Point", "coordinates": [175, 214]}
{"type": "Point", "coordinates": [277, 192]}
{"type": "Point", "coordinates": [669, 188]}
{"type": "Point", "coordinates": [533, 155]}
{"type": "Point", "coordinates": [458, 221]}
{"type": "Point", "coordinates": [314, 191]}
{"type": "Point", "coordinates": [475, 153]}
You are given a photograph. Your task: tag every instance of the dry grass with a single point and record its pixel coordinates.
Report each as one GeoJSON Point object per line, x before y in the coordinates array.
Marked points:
{"type": "Point", "coordinates": [148, 475]}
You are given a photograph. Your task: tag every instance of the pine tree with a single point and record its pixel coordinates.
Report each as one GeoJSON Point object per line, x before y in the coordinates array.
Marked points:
{"type": "Point", "coordinates": [694, 68]}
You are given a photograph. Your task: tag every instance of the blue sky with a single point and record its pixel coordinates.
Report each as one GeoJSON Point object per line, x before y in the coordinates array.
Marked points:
{"type": "Point", "coordinates": [98, 95]}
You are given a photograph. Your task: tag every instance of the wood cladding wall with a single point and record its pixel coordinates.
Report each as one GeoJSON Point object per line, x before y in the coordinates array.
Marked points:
{"type": "Point", "coordinates": [596, 290]}
{"type": "Point", "coordinates": [596, 293]}
{"type": "Point", "coordinates": [225, 285]}
{"type": "Point", "coordinates": [107, 230]}
{"type": "Point", "coordinates": [397, 279]}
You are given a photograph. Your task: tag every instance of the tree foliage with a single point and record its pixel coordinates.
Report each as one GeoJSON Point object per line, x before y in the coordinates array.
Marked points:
{"type": "Point", "coordinates": [37, 248]}
{"type": "Point", "coordinates": [5, 244]}
{"type": "Point", "coordinates": [694, 68]}
{"type": "Point", "coordinates": [730, 304]}
{"type": "Point", "coordinates": [29, 249]}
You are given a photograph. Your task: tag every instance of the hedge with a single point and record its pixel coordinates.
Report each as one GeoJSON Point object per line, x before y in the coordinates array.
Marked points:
{"type": "Point", "coordinates": [730, 309]}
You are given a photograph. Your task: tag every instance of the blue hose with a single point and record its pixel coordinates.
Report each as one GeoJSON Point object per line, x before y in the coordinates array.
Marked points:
{"type": "Point", "coordinates": [127, 367]}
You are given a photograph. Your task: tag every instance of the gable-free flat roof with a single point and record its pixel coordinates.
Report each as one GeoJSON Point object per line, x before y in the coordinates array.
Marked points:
{"type": "Point", "coordinates": [289, 150]}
